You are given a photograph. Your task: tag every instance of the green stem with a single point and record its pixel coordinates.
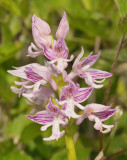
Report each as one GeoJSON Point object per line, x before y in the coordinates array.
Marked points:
{"type": "Point", "coordinates": [70, 146]}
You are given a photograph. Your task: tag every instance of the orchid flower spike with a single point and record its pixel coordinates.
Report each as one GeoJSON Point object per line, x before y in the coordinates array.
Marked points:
{"type": "Point", "coordinates": [82, 69]}
{"type": "Point", "coordinates": [52, 116]}
{"type": "Point", "coordinates": [71, 96]}
{"type": "Point", "coordinates": [97, 113]}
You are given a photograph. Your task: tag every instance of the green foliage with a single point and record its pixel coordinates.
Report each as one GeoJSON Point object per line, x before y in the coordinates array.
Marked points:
{"type": "Point", "coordinates": [14, 156]}
{"type": "Point", "coordinates": [122, 5]}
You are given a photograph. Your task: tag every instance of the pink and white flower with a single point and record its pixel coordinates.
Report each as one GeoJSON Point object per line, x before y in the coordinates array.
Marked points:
{"type": "Point", "coordinates": [97, 113]}
{"type": "Point", "coordinates": [41, 34]}
{"type": "Point", "coordinates": [36, 74]}
{"type": "Point", "coordinates": [71, 96]}
{"type": "Point", "coordinates": [58, 54]}
{"type": "Point", "coordinates": [52, 116]}
{"type": "Point", "coordinates": [81, 67]}
{"type": "Point", "coordinates": [40, 96]}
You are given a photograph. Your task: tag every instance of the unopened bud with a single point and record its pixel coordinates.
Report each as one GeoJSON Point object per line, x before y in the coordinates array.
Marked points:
{"type": "Point", "coordinates": [118, 114]}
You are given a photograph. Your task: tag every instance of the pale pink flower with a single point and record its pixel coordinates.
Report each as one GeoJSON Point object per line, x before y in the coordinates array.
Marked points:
{"type": "Point", "coordinates": [52, 116]}
{"type": "Point", "coordinates": [71, 96]}
{"type": "Point", "coordinates": [81, 67]}
{"type": "Point", "coordinates": [97, 113]}
{"type": "Point", "coordinates": [35, 73]}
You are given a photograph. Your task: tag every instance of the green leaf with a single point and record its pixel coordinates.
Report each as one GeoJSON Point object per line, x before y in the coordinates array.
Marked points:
{"type": "Point", "coordinates": [5, 92]}
{"type": "Point", "coordinates": [31, 132]}
{"type": "Point", "coordinates": [122, 5]}
{"type": "Point", "coordinates": [60, 155]}
{"type": "Point", "coordinates": [15, 25]}
{"type": "Point", "coordinates": [7, 51]}
{"type": "Point", "coordinates": [11, 6]}
{"type": "Point", "coordinates": [15, 128]}
{"type": "Point", "coordinates": [16, 155]}
{"type": "Point", "coordinates": [82, 152]}
{"type": "Point", "coordinates": [6, 35]}
{"type": "Point", "coordinates": [123, 24]}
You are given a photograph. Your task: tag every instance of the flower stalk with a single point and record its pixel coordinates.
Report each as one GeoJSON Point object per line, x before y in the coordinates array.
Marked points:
{"type": "Point", "coordinates": [113, 69]}
{"type": "Point", "coordinates": [70, 146]}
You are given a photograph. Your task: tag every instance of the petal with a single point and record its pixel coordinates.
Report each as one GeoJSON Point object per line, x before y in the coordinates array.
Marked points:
{"type": "Point", "coordinates": [40, 38]}
{"type": "Point", "coordinates": [79, 105]}
{"type": "Point", "coordinates": [98, 124]}
{"type": "Point", "coordinates": [41, 25]}
{"type": "Point", "coordinates": [19, 73]}
{"type": "Point", "coordinates": [31, 75]}
{"type": "Point", "coordinates": [18, 90]}
{"type": "Point", "coordinates": [63, 28]}
{"type": "Point", "coordinates": [43, 128]}
{"type": "Point", "coordinates": [69, 111]}
{"type": "Point", "coordinates": [40, 96]}
{"type": "Point", "coordinates": [49, 53]}
{"type": "Point", "coordinates": [42, 71]}
{"type": "Point", "coordinates": [80, 119]}
{"type": "Point", "coordinates": [77, 60]}
{"type": "Point", "coordinates": [33, 53]}
{"type": "Point", "coordinates": [42, 117]}
{"type": "Point", "coordinates": [53, 84]}
{"type": "Point", "coordinates": [105, 114]}
{"type": "Point", "coordinates": [90, 60]}
{"type": "Point", "coordinates": [97, 107]}
{"type": "Point", "coordinates": [61, 49]}
{"type": "Point", "coordinates": [56, 134]}
{"type": "Point", "coordinates": [98, 74]}
{"type": "Point", "coordinates": [107, 128]}
{"type": "Point", "coordinates": [82, 94]}
{"type": "Point", "coordinates": [53, 109]}
{"type": "Point", "coordinates": [89, 80]}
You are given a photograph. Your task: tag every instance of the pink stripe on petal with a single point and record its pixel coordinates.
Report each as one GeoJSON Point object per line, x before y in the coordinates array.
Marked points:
{"type": "Point", "coordinates": [49, 53]}
{"type": "Point", "coordinates": [32, 75]}
{"type": "Point", "coordinates": [41, 25]}
{"type": "Point", "coordinates": [42, 117]}
{"type": "Point", "coordinates": [61, 49]}
{"type": "Point", "coordinates": [98, 74]}
{"type": "Point", "coordinates": [90, 60]}
{"type": "Point", "coordinates": [63, 28]}
{"type": "Point", "coordinates": [105, 114]}
{"type": "Point", "coordinates": [83, 94]}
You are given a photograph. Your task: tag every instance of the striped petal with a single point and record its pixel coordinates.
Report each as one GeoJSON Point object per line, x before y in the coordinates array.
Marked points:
{"type": "Point", "coordinates": [63, 28]}
{"type": "Point", "coordinates": [42, 117]}
{"type": "Point", "coordinates": [49, 53]}
{"type": "Point", "coordinates": [90, 60]}
{"type": "Point", "coordinates": [83, 94]}
{"type": "Point", "coordinates": [41, 25]}
{"type": "Point", "coordinates": [98, 74]}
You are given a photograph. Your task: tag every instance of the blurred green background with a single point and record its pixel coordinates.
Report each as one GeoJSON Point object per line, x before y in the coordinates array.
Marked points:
{"type": "Point", "coordinates": [95, 25]}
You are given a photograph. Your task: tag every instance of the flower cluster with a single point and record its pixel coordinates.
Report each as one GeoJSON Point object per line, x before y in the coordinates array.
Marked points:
{"type": "Point", "coordinates": [52, 90]}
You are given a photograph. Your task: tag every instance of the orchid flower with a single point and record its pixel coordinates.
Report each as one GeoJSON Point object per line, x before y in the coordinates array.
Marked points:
{"type": "Point", "coordinates": [58, 54]}
{"type": "Point", "coordinates": [35, 73]}
{"type": "Point", "coordinates": [41, 34]}
{"type": "Point", "coordinates": [73, 95]}
{"type": "Point", "coordinates": [97, 113]}
{"type": "Point", "coordinates": [52, 116]}
{"type": "Point", "coordinates": [40, 96]}
{"type": "Point", "coordinates": [82, 69]}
